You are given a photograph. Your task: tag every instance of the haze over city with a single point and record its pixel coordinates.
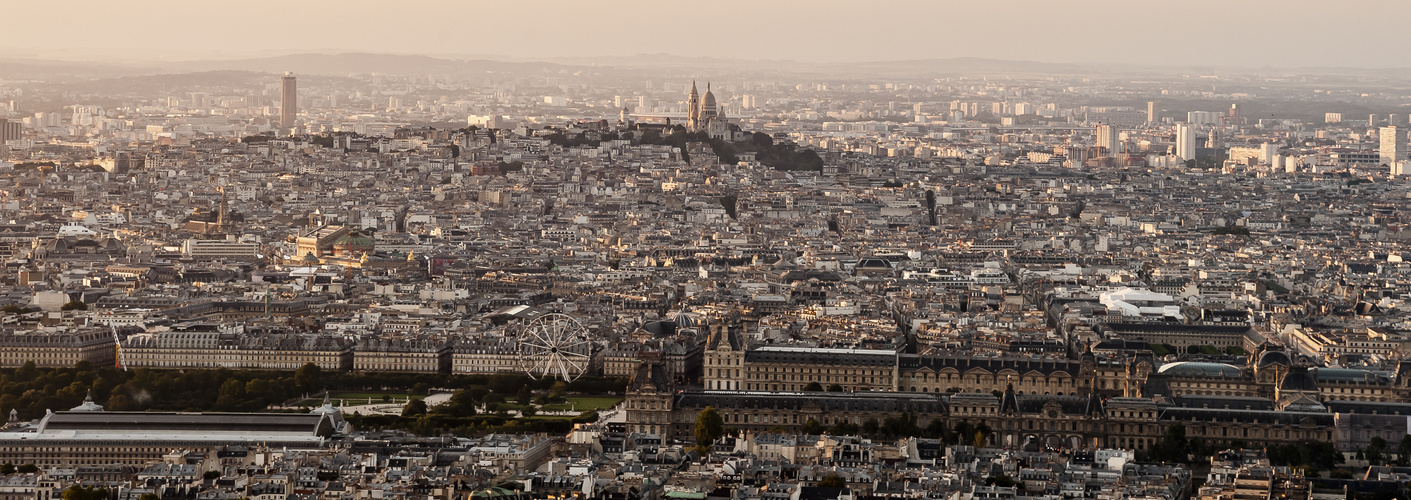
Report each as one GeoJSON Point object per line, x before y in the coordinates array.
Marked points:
{"type": "Point", "coordinates": [1202, 33]}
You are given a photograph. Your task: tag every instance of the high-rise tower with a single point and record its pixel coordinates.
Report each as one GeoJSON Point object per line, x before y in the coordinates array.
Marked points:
{"type": "Point", "coordinates": [1107, 140]}
{"type": "Point", "coordinates": [10, 131]}
{"type": "Point", "coordinates": [1393, 147]}
{"type": "Point", "coordinates": [288, 101]}
{"type": "Point", "coordinates": [1185, 141]}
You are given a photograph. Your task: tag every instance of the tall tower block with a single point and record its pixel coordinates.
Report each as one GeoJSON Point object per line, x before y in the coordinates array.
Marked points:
{"type": "Point", "coordinates": [288, 101]}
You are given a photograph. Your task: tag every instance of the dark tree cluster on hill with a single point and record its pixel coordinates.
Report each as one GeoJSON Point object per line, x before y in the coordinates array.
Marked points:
{"type": "Point", "coordinates": [1232, 230]}
{"type": "Point", "coordinates": [788, 158]}
{"type": "Point", "coordinates": [781, 156]}
{"type": "Point", "coordinates": [729, 204]}
{"type": "Point", "coordinates": [564, 140]}
{"type": "Point", "coordinates": [323, 140]}
{"type": "Point", "coordinates": [677, 138]}
{"type": "Point", "coordinates": [777, 156]}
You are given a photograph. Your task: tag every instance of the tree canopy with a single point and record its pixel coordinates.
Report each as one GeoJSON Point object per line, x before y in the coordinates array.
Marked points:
{"type": "Point", "coordinates": [77, 492]}
{"type": "Point", "coordinates": [709, 428]}
{"type": "Point", "coordinates": [413, 408]}
{"type": "Point", "coordinates": [31, 391]}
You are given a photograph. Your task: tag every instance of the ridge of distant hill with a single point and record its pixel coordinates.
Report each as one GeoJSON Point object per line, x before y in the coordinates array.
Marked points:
{"type": "Point", "coordinates": [53, 70]}
{"type": "Point", "coordinates": [650, 66]}
{"type": "Point", "coordinates": [360, 63]}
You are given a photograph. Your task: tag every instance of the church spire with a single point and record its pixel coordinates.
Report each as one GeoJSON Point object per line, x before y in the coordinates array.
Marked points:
{"type": "Point", "coordinates": [693, 108]}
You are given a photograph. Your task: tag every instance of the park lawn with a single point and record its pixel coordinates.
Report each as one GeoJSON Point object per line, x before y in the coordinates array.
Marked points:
{"type": "Point", "coordinates": [511, 407]}
{"type": "Point", "coordinates": [376, 396]}
{"type": "Point", "coordinates": [355, 398]}
{"type": "Point", "coordinates": [585, 403]}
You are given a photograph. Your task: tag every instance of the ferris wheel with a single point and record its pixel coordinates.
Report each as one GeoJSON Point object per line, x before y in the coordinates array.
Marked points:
{"type": "Point", "coordinates": [555, 345]}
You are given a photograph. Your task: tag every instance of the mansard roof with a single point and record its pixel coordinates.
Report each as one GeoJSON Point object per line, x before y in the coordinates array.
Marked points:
{"type": "Point", "coordinates": [879, 402]}
{"type": "Point", "coordinates": [1046, 366]}
{"type": "Point", "coordinates": [822, 356]}
{"type": "Point", "coordinates": [1175, 414]}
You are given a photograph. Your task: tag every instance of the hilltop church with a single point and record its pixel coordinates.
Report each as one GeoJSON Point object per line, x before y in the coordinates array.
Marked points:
{"type": "Point", "coordinates": [703, 114]}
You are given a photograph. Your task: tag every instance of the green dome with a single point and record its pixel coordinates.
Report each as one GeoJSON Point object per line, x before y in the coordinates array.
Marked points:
{"type": "Point", "coordinates": [354, 242]}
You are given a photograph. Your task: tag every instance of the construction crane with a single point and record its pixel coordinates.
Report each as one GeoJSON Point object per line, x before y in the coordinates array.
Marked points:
{"type": "Point", "coordinates": [118, 360]}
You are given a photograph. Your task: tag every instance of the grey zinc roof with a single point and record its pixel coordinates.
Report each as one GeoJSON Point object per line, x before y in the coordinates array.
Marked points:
{"type": "Point", "coordinates": [825, 401]}
{"type": "Point", "coordinates": [147, 421]}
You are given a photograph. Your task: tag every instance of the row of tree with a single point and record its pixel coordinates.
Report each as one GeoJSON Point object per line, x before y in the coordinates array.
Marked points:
{"type": "Point", "coordinates": [436, 423]}
{"type": "Point", "coordinates": [710, 427]}
{"type": "Point", "coordinates": [31, 391]}
{"type": "Point", "coordinates": [460, 415]}
{"type": "Point", "coordinates": [1175, 446]}
{"type": "Point", "coordinates": [1377, 450]}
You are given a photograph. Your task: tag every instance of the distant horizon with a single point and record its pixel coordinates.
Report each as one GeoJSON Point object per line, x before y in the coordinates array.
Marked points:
{"type": "Point", "coordinates": [97, 58]}
{"type": "Point", "coordinates": [1201, 33]}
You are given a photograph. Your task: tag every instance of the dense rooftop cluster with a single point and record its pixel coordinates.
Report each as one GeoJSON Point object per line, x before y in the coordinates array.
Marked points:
{"type": "Point", "coordinates": [1068, 277]}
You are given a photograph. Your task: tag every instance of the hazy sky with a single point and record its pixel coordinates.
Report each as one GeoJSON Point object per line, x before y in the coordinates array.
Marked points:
{"type": "Point", "coordinates": [1353, 33]}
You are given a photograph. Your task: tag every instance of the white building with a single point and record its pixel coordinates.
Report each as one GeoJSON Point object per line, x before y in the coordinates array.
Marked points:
{"type": "Point", "coordinates": [217, 249]}
{"type": "Point", "coordinates": [1393, 147]}
{"type": "Point", "coordinates": [1205, 117]}
{"type": "Point", "coordinates": [1185, 141]}
{"type": "Point", "coordinates": [1107, 139]}
{"type": "Point", "coordinates": [1134, 302]}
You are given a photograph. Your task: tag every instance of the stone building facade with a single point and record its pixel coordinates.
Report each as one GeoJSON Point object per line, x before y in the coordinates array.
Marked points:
{"type": "Point", "coordinates": [57, 349]}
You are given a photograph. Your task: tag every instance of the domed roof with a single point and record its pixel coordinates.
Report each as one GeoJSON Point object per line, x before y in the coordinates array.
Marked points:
{"type": "Point", "coordinates": [1272, 357]}
{"type": "Point", "coordinates": [354, 239]}
{"type": "Point", "coordinates": [708, 109]}
{"type": "Point", "coordinates": [687, 320]}
{"type": "Point", "coordinates": [1199, 369]}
